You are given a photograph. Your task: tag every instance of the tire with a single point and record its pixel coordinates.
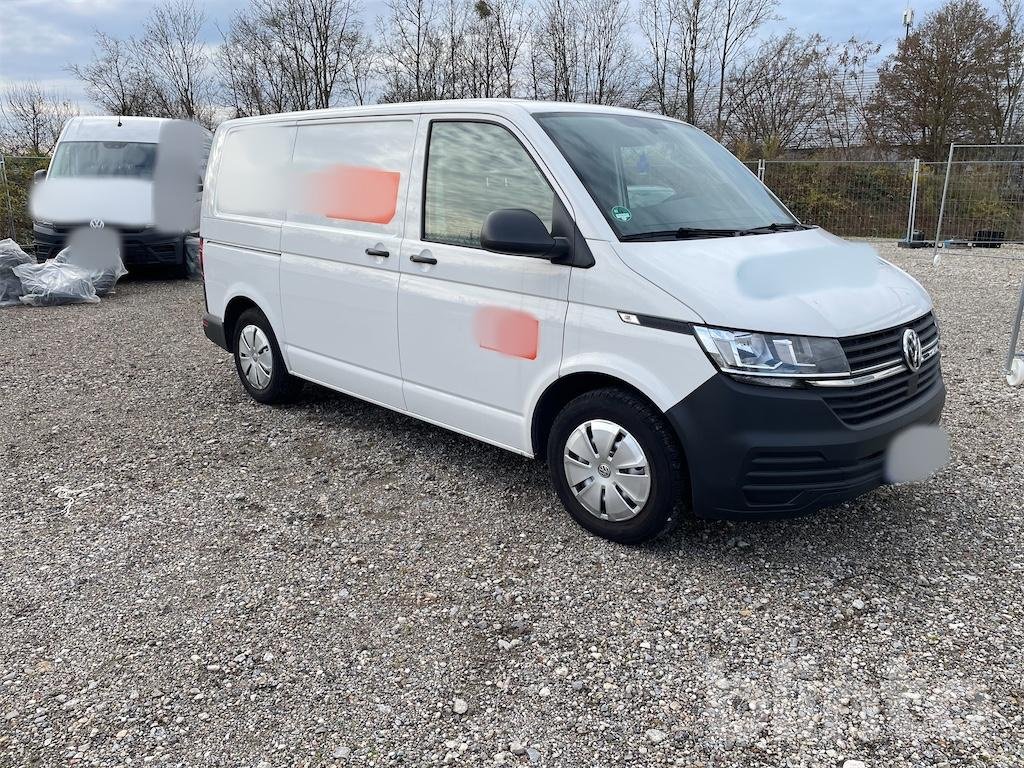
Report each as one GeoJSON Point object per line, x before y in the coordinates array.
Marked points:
{"type": "Point", "coordinates": [275, 386]}
{"type": "Point", "coordinates": [626, 422]}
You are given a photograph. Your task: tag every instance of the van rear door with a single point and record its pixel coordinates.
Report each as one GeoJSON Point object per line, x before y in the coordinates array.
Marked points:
{"type": "Point", "coordinates": [340, 247]}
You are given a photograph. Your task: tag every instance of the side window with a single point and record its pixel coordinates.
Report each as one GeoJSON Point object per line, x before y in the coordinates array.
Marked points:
{"type": "Point", "coordinates": [352, 174]}
{"type": "Point", "coordinates": [251, 174]}
{"type": "Point", "coordinates": [473, 169]}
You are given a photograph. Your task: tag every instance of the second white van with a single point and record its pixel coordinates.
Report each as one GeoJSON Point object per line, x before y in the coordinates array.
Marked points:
{"type": "Point", "coordinates": [607, 290]}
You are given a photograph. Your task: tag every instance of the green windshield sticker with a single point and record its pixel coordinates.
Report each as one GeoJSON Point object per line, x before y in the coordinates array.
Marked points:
{"type": "Point", "coordinates": [621, 213]}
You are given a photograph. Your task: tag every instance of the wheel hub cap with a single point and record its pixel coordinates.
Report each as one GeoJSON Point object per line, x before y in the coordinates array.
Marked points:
{"type": "Point", "coordinates": [254, 356]}
{"type": "Point", "coordinates": [607, 470]}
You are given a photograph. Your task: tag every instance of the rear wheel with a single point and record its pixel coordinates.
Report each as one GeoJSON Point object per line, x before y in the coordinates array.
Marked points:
{"type": "Point", "coordinates": [258, 360]}
{"type": "Point", "coordinates": [616, 465]}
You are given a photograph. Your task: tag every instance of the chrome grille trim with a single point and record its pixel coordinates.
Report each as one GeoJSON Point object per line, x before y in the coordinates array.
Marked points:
{"type": "Point", "coordinates": [875, 372]}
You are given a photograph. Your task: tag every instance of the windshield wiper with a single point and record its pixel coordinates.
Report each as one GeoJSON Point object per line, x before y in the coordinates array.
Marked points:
{"type": "Point", "coordinates": [767, 229]}
{"type": "Point", "coordinates": [683, 233]}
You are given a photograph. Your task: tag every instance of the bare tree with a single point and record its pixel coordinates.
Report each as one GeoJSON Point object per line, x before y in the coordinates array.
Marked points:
{"type": "Point", "coordinates": [282, 55]}
{"type": "Point", "coordinates": [171, 49]}
{"type": "Point", "coordinates": [738, 22]}
{"type": "Point", "coordinates": [660, 27]}
{"type": "Point", "coordinates": [32, 118]}
{"type": "Point", "coordinates": [843, 74]}
{"type": "Point", "coordinates": [609, 72]}
{"type": "Point", "coordinates": [1006, 75]}
{"type": "Point", "coordinates": [680, 37]}
{"type": "Point", "coordinates": [509, 26]}
{"type": "Point", "coordinates": [115, 78]}
{"type": "Point", "coordinates": [777, 95]}
{"type": "Point", "coordinates": [409, 50]}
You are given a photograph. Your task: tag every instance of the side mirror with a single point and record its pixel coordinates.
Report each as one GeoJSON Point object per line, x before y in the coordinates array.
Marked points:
{"type": "Point", "coordinates": [38, 175]}
{"type": "Point", "coordinates": [520, 232]}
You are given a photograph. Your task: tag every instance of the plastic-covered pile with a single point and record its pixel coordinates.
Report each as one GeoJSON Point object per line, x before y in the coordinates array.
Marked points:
{"type": "Point", "coordinates": [53, 283]}
{"type": "Point", "coordinates": [104, 270]}
{"type": "Point", "coordinates": [11, 256]}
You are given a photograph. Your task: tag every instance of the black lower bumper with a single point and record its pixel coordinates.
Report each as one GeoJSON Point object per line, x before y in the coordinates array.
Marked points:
{"type": "Point", "coordinates": [759, 452]}
{"type": "Point", "coordinates": [214, 330]}
{"type": "Point", "coordinates": [139, 247]}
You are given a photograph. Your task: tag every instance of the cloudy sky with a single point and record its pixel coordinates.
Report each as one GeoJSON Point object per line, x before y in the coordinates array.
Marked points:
{"type": "Point", "coordinates": [38, 38]}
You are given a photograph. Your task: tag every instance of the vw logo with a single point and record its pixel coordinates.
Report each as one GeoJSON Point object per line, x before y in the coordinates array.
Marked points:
{"type": "Point", "coordinates": [96, 224]}
{"type": "Point", "coordinates": [912, 349]}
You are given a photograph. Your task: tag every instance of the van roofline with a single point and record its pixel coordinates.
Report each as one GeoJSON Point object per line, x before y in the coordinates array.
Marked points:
{"type": "Point", "coordinates": [145, 130]}
{"type": "Point", "coordinates": [499, 107]}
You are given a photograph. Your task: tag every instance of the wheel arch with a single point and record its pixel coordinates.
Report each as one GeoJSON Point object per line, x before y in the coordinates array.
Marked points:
{"type": "Point", "coordinates": [234, 309]}
{"type": "Point", "coordinates": [562, 390]}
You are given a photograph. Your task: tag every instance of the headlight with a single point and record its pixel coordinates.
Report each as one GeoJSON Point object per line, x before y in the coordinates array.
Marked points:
{"type": "Point", "coordinates": [782, 360]}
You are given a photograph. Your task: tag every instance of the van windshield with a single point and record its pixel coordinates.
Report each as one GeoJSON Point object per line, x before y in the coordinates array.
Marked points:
{"type": "Point", "coordinates": [657, 179]}
{"type": "Point", "coordinates": [131, 159]}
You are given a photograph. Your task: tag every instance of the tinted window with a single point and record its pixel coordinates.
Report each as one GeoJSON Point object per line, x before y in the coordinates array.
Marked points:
{"type": "Point", "coordinates": [352, 174]}
{"type": "Point", "coordinates": [130, 159]}
{"type": "Point", "coordinates": [473, 169]}
{"type": "Point", "coordinates": [647, 174]}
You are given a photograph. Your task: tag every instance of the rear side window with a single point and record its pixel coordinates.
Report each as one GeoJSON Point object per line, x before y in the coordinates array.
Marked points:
{"type": "Point", "coordinates": [352, 174]}
{"type": "Point", "coordinates": [473, 169]}
{"type": "Point", "coordinates": [252, 174]}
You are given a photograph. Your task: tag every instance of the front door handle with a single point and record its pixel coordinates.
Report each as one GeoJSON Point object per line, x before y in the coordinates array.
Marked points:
{"type": "Point", "coordinates": [377, 252]}
{"type": "Point", "coordinates": [423, 258]}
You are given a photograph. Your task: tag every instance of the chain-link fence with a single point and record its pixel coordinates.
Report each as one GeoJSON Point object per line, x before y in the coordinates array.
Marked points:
{"type": "Point", "coordinates": [16, 178]}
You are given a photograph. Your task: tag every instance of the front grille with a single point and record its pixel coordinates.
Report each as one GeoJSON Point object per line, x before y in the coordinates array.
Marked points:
{"type": "Point", "coordinates": [877, 399]}
{"type": "Point", "coordinates": [779, 478]}
{"type": "Point", "coordinates": [879, 347]}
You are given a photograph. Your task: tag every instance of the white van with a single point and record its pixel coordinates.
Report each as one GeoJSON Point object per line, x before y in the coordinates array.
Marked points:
{"type": "Point", "coordinates": [102, 173]}
{"type": "Point", "coordinates": [605, 289]}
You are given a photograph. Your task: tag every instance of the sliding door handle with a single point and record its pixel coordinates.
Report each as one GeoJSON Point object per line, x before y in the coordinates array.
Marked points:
{"type": "Point", "coordinates": [423, 258]}
{"type": "Point", "coordinates": [377, 252]}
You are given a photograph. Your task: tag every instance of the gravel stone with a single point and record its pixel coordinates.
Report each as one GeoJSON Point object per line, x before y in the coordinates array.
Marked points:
{"type": "Point", "coordinates": [169, 547]}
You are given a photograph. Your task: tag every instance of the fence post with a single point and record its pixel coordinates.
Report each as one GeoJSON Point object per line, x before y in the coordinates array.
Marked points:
{"type": "Point", "coordinates": [1015, 331]}
{"type": "Point", "coordinates": [942, 205]}
{"type": "Point", "coordinates": [912, 215]}
{"type": "Point", "coordinates": [7, 194]}
{"type": "Point", "coordinates": [760, 170]}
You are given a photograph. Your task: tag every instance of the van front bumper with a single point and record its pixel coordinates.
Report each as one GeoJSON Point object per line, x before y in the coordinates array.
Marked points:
{"type": "Point", "coordinates": [139, 247]}
{"type": "Point", "coordinates": [760, 452]}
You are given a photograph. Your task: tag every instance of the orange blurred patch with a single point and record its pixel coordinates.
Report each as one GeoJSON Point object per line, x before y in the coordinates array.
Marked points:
{"type": "Point", "coordinates": [508, 331]}
{"type": "Point", "coordinates": [355, 194]}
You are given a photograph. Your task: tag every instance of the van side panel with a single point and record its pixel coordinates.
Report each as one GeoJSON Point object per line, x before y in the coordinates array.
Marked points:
{"type": "Point", "coordinates": [663, 365]}
{"type": "Point", "coordinates": [340, 249]}
{"type": "Point", "coordinates": [246, 184]}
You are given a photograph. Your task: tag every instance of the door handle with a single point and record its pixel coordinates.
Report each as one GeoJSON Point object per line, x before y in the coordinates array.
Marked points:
{"type": "Point", "coordinates": [421, 258]}
{"type": "Point", "coordinates": [377, 252]}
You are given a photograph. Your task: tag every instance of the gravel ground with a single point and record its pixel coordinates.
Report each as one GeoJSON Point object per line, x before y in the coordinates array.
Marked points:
{"type": "Point", "coordinates": [188, 578]}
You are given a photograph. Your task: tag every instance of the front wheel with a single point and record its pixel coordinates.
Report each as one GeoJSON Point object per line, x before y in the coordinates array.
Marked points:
{"type": "Point", "coordinates": [258, 360]}
{"type": "Point", "coordinates": [616, 465]}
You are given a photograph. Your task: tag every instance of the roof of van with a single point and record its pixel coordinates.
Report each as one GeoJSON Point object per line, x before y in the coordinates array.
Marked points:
{"type": "Point", "coordinates": [105, 128]}
{"type": "Point", "coordinates": [503, 107]}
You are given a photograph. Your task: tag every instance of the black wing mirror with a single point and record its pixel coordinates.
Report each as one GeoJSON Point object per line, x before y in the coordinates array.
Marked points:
{"type": "Point", "coordinates": [520, 232]}
{"type": "Point", "coordinates": [38, 175]}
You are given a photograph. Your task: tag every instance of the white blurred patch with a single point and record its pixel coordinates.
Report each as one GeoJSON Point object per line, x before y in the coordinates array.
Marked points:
{"type": "Point", "coordinates": [837, 266]}
{"type": "Point", "coordinates": [915, 453]}
{"type": "Point", "coordinates": [178, 176]}
{"type": "Point", "coordinates": [76, 200]}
